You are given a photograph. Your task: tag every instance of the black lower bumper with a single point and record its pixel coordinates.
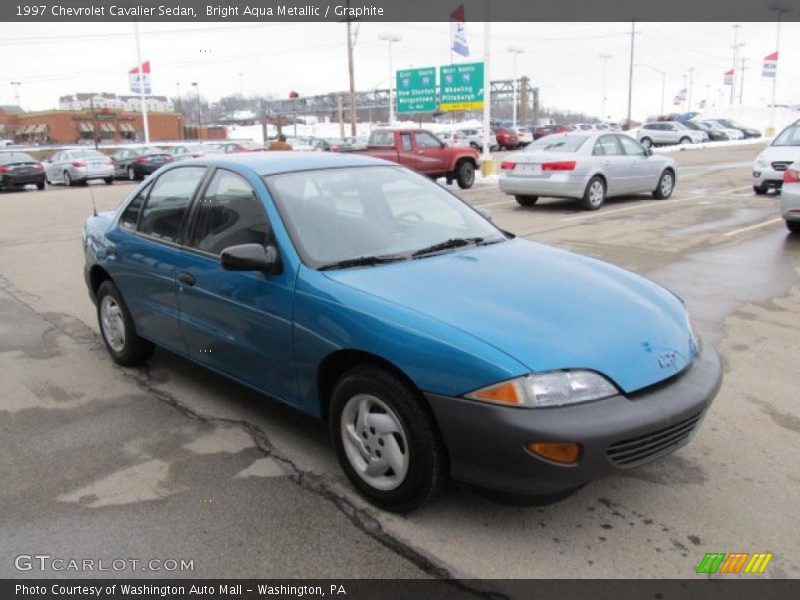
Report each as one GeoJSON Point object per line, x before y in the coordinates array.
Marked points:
{"type": "Point", "coordinates": [20, 180]}
{"type": "Point", "coordinates": [486, 443]}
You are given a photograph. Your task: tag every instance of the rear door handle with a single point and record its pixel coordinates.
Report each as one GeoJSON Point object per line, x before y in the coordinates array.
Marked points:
{"type": "Point", "coordinates": [186, 278]}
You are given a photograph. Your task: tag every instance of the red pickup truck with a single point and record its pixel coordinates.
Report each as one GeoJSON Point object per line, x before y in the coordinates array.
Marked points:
{"type": "Point", "coordinates": [422, 151]}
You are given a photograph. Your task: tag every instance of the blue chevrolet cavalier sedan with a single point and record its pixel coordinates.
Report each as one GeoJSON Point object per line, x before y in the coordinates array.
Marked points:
{"type": "Point", "coordinates": [435, 344]}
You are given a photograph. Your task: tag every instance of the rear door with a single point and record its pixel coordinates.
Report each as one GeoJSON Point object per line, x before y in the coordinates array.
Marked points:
{"type": "Point", "coordinates": [146, 249]}
{"type": "Point", "coordinates": [615, 164]}
{"type": "Point", "coordinates": [239, 323]}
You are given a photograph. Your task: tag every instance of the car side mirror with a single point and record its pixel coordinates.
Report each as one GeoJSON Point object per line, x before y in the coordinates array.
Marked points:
{"type": "Point", "coordinates": [486, 214]}
{"type": "Point", "coordinates": [251, 257]}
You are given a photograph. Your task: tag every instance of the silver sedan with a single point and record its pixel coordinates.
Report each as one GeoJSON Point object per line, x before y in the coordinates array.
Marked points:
{"type": "Point", "coordinates": [588, 167]}
{"type": "Point", "coordinates": [78, 166]}
{"type": "Point", "coordinates": [790, 197]}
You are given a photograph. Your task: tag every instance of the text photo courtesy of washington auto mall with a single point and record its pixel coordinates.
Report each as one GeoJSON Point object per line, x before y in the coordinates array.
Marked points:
{"type": "Point", "coordinates": [400, 299]}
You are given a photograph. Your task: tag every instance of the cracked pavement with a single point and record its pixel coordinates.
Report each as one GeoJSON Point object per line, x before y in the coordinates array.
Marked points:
{"type": "Point", "coordinates": [172, 461]}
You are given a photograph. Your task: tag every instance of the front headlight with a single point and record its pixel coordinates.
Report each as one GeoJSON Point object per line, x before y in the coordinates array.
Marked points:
{"type": "Point", "coordinates": [543, 390]}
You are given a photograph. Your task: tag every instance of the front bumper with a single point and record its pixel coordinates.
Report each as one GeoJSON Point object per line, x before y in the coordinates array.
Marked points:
{"type": "Point", "coordinates": [486, 443]}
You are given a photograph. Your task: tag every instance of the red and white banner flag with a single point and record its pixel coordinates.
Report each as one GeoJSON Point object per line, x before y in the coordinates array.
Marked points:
{"type": "Point", "coordinates": [728, 77]}
{"type": "Point", "coordinates": [770, 65]}
{"type": "Point", "coordinates": [141, 80]}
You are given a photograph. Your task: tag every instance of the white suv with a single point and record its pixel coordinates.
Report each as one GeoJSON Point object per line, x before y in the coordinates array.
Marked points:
{"type": "Point", "coordinates": [669, 132]}
{"type": "Point", "coordinates": [474, 138]}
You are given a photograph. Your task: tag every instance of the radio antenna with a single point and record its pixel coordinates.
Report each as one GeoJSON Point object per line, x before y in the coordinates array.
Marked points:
{"type": "Point", "coordinates": [91, 195]}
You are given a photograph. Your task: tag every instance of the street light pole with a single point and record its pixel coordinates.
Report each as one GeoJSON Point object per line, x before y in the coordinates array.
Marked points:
{"type": "Point", "coordinates": [630, 75]}
{"type": "Point", "coordinates": [390, 38]}
{"type": "Point", "coordinates": [196, 86]}
{"type": "Point", "coordinates": [689, 97]}
{"type": "Point", "coordinates": [605, 58]}
{"type": "Point", "coordinates": [781, 12]}
{"type": "Point", "coordinates": [514, 50]}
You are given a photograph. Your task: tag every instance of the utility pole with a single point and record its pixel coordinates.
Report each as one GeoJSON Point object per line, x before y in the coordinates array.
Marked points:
{"type": "Point", "coordinates": [685, 92]}
{"type": "Point", "coordinates": [735, 57]}
{"type": "Point", "coordinates": [390, 38]}
{"type": "Point", "coordinates": [741, 80]}
{"type": "Point", "coordinates": [523, 98]}
{"type": "Point", "coordinates": [350, 68]}
{"type": "Point", "coordinates": [605, 58]}
{"type": "Point", "coordinates": [178, 90]}
{"type": "Point", "coordinates": [630, 75]}
{"type": "Point", "coordinates": [196, 86]}
{"type": "Point", "coordinates": [689, 94]}
{"type": "Point", "coordinates": [341, 116]}
{"type": "Point", "coordinates": [486, 155]}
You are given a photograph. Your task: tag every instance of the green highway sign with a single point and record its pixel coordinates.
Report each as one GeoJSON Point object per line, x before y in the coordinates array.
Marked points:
{"type": "Point", "coordinates": [416, 90]}
{"type": "Point", "coordinates": [461, 87]}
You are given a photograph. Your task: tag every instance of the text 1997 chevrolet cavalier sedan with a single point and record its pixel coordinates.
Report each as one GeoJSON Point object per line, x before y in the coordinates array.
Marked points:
{"type": "Point", "coordinates": [434, 343]}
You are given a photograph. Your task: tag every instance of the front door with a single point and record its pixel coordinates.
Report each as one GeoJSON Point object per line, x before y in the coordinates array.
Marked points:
{"type": "Point", "coordinates": [616, 165]}
{"type": "Point", "coordinates": [429, 156]}
{"type": "Point", "coordinates": [239, 323]}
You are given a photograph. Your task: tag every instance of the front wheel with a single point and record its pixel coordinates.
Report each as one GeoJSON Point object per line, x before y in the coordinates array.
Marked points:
{"type": "Point", "coordinates": [465, 175]}
{"type": "Point", "coordinates": [595, 194]}
{"type": "Point", "coordinates": [109, 180]}
{"type": "Point", "coordinates": [685, 140]}
{"type": "Point", "coordinates": [526, 200]}
{"type": "Point", "coordinates": [646, 142]}
{"type": "Point", "coordinates": [759, 190]}
{"type": "Point", "coordinates": [117, 328]}
{"type": "Point", "coordinates": [386, 440]}
{"type": "Point", "coordinates": [40, 186]}
{"type": "Point", "coordinates": [793, 226]}
{"type": "Point", "coordinates": [665, 186]}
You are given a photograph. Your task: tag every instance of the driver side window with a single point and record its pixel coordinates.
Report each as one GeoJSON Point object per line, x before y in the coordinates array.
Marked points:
{"type": "Point", "coordinates": [426, 140]}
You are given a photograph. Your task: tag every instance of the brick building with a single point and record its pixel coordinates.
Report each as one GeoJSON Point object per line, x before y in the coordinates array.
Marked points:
{"type": "Point", "coordinates": [83, 126]}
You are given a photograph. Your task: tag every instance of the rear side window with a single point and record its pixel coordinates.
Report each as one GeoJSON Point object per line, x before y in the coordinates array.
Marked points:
{"type": "Point", "coordinates": [130, 217]}
{"type": "Point", "coordinates": [168, 202]}
{"type": "Point", "coordinates": [229, 214]}
{"type": "Point", "coordinates": [381, 138]}
{"type": "Point", "coordinates": [607, 146]}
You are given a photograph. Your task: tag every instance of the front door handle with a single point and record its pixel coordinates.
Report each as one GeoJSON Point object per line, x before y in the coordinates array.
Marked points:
{"type": "Point", "coordinates": [186, 278]}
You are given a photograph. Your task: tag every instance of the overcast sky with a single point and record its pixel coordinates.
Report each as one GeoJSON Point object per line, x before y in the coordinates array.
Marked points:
{"type": "Point", "coordinates": [52, 59]}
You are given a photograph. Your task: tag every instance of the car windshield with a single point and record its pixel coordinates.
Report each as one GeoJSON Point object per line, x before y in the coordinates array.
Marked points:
{"type": "Point", "coordinates": [389, 213]}
{"type": "Point", "coordinates": [788, 137]}
{"type": "Point", "coordinates": [87, 154]}
{"type": "Point", "coordinates": [557, 143]}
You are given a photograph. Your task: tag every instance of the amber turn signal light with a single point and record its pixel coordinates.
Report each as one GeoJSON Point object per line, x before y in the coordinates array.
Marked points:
{"type": "Point", "coordinates": [566, 453]}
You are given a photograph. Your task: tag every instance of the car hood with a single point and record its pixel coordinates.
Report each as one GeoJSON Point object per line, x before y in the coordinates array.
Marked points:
{"type": "Point", "coordinates": [547, 308]}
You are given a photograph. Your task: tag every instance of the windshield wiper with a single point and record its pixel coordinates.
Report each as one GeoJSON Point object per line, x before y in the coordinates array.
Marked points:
{"type": "Point", "coordinates": [363, 261]}
{"type": "Point", "coordinates": [447, 244]}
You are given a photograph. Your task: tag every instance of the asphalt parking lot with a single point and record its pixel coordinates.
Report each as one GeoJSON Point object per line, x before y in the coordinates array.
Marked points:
{"type": "Point", "coordinates": [173, 462]}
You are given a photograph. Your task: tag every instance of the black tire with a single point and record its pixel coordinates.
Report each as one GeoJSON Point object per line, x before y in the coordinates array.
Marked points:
{"type": "Point", "coordinates": [109, 180]}
{"type": "Point", "coordinates": [40, 186]}
{"type": "Point", "coordinates": [526, 200]}
{"type": "Point", "coordinates": [426, 470]}
{"type": "Point", "coordinates": [67, 179]}
{"type": "Point", "coordinates": [593, 198]}
{"type": "Point", "coordinates": [793, 226]}
{"type": "Point", "coordinates": [646, 142]}
{"type": "Point", "coordinates": [664, 189]}
{"type": "Point", "coordinates": [760, 191]}
{"type": "Point", "coordinates": [685, 140]}
{"type": "Point", "coordinates": [135, 350]}
{"type": "Point", "coordinates": [465, 174]}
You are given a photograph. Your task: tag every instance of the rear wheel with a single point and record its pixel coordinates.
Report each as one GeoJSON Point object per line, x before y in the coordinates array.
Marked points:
{"type": "Point", "coordinates": [686, 140]}
{"type": "Point", "coordinates": [386, 439]}
{"type": "Point", "coordinates": [793, 226]}
{"type": "Point", "coordinates": [40, 186]}
{"type": "Point", "coordinates": [526, 200]}
{"type": "Point", "coordinates": [760, 190]}
{"type": "Point", "coordinates": [646, 142]}
{"type": "Point", "coordinates": [595, 194]}
{"type": "Point", "coordinates": [118, 330]}
{"type": "Point", "coordinates": [665, 186]}
{"type": "Point", "coordinates": [465, 175]}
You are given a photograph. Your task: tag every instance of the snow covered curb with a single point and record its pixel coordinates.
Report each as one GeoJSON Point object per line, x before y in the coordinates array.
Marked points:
{"type": "Point", "coordinates": [702, 146]}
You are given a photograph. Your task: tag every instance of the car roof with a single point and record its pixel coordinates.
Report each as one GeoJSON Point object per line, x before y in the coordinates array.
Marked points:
{"type": "Point", "coordinates": [271, 163]}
